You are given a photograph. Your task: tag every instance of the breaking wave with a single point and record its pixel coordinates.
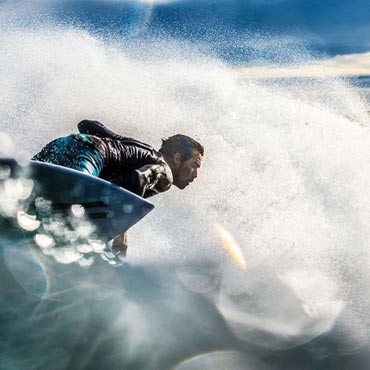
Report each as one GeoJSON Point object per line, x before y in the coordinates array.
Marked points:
{"type": "Point", "coordinates": [285, 173]}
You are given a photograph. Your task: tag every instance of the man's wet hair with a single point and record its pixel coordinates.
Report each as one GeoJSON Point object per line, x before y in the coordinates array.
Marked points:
{"type": "Point", "coordinates": [182, 144]}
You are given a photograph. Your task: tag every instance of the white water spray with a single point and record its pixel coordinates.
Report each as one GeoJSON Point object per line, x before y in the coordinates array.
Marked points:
{"type": "Point", "coordinates": [285, 171]}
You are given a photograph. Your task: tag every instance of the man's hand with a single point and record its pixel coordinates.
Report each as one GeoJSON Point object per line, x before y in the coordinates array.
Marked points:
{"type": "Point", "coordinates": [154, 177]}
{"type": "Point", "coordinates": [120, 245]}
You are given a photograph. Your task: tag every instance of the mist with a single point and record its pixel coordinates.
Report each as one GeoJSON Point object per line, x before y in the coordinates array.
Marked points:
{"type": "Point", "coordinates": [285, 172]}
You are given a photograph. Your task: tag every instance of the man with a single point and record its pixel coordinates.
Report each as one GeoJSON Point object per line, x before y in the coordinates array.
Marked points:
{"type": "Point", "coordinates": [126, 162]}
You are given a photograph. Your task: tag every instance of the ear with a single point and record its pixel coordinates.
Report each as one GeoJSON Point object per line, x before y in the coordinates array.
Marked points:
{"type": "Point", "coordinates": [177, 160]}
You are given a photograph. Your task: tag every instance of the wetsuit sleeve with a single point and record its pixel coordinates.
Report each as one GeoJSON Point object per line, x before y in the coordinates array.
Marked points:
{"type": "Point", "coordinates": [154, 178]}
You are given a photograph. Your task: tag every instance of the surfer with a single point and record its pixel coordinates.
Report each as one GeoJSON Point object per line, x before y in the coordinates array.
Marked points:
{"type": "Point", "coordinates": [126, 162]}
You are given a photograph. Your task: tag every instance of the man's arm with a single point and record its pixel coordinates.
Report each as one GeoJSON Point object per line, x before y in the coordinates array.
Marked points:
{"type": "Point", "coordinates": [120, 244]}
{"type": "Point", "coordinates": [153, 179]}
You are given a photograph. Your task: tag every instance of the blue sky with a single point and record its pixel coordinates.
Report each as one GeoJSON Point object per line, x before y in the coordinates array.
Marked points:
{"type": "Point", "coordinates": [332, 26]}
{"type": "Point", "coordinates": [228, 28]}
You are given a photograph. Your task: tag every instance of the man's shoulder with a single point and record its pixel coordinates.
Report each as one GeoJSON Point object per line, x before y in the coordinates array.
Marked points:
{"type": "Point", "coordinates": [133, 150]}
{"type": "Point", "coordinates": [142, 147]}
{"type": "Point", "coordinates": [135, 142]}
{"type": "Point", "coordinates": [129, 141]}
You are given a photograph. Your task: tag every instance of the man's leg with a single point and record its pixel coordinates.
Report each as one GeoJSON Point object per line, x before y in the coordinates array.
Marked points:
{"type": "Point", "coordinates": [74, 151]}
{"type": "Point", "coordinates": [120, 244]}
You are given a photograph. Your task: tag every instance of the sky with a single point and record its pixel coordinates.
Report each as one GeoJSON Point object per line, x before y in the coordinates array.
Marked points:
{"type": "Point", "coordinates": [244, 33]}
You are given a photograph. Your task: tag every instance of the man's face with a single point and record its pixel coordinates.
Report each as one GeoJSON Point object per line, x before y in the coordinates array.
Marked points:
{"type": "Point", "coordinates": [187, 171]}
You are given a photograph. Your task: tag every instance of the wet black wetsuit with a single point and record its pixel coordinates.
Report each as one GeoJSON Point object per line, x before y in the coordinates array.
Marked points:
{"type": "Point", "coordinates": [124, 161]}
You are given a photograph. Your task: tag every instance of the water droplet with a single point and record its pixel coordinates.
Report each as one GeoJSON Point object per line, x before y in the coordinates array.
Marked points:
{"type": "Point", "coordinates": [44, 241]}
{"type": "Point", "coordinates": [128, 208]}
{"type": "Point", "coordinates": [5, 171]}
{"type": "Point", "coordinates": [27, 222]}
{"type": "Point", "coordinates": [97, 246]}
{"type": "Point", "coordinates": [18, 188]}
{"type": "Point", "coordinates": [84, 248]}
{"type": "Point", "coordinates": [86, 262]}
{"type": "Point", "coordinates": [78, 210]}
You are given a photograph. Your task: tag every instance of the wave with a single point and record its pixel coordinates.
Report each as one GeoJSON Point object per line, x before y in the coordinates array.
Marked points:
{"type": "Point", "coordinates": [285, 170]}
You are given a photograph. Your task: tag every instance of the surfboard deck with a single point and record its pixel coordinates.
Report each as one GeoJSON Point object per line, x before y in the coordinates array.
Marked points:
{"type": "Point", "coordinates": [60, 195]}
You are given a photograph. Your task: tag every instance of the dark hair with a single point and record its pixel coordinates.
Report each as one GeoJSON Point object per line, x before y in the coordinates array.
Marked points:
{"type": "Point", "coordinates": [182, 144]}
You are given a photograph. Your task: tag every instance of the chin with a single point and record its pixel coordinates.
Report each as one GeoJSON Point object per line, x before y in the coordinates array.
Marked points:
{"type": "Point", "coordinates": [181, 186]}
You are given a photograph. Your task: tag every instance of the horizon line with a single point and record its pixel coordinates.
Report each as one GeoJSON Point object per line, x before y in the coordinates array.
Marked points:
{"type": "Point", "coordinates": [346, 65]}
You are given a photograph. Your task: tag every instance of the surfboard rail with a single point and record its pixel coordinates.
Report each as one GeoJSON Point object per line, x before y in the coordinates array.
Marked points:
{"type": "Point", "coordinates": [109, 208]}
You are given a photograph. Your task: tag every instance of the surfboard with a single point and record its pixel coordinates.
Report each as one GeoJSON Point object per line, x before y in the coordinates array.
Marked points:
{"type": "Point", "coordinates": [52, 194]}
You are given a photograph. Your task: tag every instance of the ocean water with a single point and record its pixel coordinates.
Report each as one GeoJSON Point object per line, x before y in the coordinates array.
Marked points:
{"type": "Point", "coordinates": [285, 173]}
{"type": "Point", "coordinates": [362, 84]}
